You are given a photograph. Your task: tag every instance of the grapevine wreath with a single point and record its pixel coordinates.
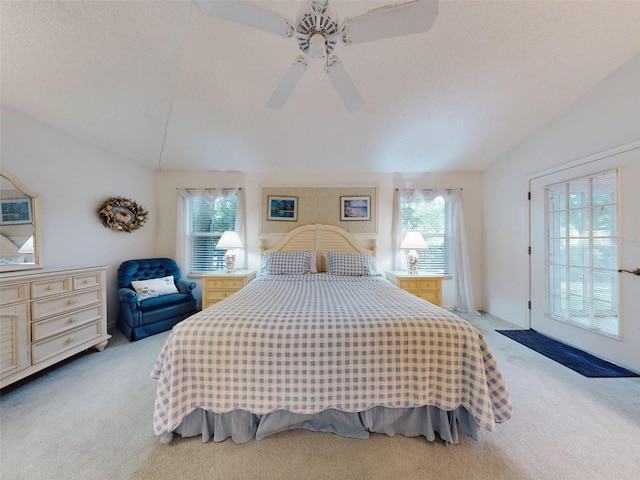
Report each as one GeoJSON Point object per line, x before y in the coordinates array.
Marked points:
{"type": "Point", "coordinates": [122, 215]}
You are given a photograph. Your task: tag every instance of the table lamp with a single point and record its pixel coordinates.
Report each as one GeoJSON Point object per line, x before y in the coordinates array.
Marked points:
{"type": "Point", "coordinates": [230, 240]}
{"type": "Point", "coordinates": [413, 241]}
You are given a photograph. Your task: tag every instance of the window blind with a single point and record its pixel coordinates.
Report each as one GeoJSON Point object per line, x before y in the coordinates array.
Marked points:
{"type": "Point", "coordinates": [582, 253]}
{"type": "Point", "coordinates": [432, 218]}
{"type": "Point", "coordinates": [208, 222]}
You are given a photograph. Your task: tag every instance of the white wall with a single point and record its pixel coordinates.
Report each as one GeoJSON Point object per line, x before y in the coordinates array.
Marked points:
{"type": "Point", "coordinates": [387, 183]}
{"type": "Point", "coordinates": [606, 117]}
{"type": "Point", "coordinates": [72, 179]}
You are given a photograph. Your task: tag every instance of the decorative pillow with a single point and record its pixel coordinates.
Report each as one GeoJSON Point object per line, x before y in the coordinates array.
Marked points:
{"type": "Point", "coordinates": [313, 266]}
{"type": "Point", "coordinates": [351, 264]}
{"type": "Point", "coordinates": [289, 263]}
{"type": "Point", "coordinates": [266, 262]}
{"type": "Point", "coordinates": [154, 287]}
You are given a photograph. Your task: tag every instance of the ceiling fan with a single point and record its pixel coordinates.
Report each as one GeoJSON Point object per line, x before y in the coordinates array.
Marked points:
{"type": "Point", "coordinates": [317, 33]}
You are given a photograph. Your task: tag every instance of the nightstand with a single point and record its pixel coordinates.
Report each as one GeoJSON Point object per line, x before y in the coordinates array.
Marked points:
{"type": "Point", "coordinates": [425, 286]}
{"type": "Point", "coordinates": [219, 285]}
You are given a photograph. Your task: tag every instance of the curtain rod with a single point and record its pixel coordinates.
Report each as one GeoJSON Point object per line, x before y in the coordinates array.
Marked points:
{"type": "Point", "coordinates": [210, 188]}
{"type": "Point", "coordinates": [431, 189]}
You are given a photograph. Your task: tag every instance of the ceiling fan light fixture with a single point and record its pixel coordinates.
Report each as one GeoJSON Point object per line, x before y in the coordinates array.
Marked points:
{"type": "Point", "coordinates": [317, 46]}
{"type": "Point", "coordinates": [317, 33]}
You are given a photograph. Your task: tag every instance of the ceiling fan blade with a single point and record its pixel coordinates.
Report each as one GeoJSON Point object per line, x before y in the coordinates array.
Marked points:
{"type": "Point", "coordinates": [343, 84]}
{"type": "Point", "coordinates": [416, 16]}
{"type": "Point", "coordinates": [288, 83]}
{"type": "Point", "coordinates": [245, 14]}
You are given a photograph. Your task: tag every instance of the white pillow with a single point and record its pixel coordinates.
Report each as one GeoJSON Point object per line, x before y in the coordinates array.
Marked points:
{"type": "Point", "coordinates": [154, 287]}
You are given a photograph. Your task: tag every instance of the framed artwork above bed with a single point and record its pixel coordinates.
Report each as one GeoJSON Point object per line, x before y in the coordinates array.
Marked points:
{"type": "Point", "coordinates": [282, 208]}
{"type": "Point", "coordinates": [355, 208]}
{"type": "Point", "coordinates": [350, 207]}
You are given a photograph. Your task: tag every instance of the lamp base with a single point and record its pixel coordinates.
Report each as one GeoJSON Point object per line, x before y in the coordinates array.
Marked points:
{"type": "Point", "coordinates": [412, 261]}
{"type": "Point", "coordinates": [230, 261]}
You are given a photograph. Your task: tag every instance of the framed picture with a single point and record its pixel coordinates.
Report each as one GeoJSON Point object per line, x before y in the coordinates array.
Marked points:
{"type": "Point", "coordinates": [282, 208]}
{"type": "Point", "coordinates": [14, 211]}
{"type": "Point", "coordinates": [355, 208]}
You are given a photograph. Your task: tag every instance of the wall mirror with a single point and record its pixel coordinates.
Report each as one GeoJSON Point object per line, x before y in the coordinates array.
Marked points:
{"type": "Point", "coordinates": [19, 239]}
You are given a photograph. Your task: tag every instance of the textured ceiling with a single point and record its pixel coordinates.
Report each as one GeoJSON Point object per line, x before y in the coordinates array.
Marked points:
{"type": "Point", "coordinates": [162, 84]}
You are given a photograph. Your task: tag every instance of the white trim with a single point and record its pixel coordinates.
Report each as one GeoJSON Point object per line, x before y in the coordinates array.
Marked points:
{"type": "Point", "coordinates": [553, 170]}
{"type": "Point", "coordinates": [584, 160]}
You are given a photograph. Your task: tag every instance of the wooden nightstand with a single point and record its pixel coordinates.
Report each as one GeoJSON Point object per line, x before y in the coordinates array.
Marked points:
{"type": "Point", "coordinates": [427, 287]}
{"type": "Point", "coordinates": [219, 285]}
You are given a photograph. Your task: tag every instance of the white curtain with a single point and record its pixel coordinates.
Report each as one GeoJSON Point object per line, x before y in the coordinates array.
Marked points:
{"type": "Point", "coordinates": [183, 220]}
{"type": "Point", "coordinates": [461, 269]}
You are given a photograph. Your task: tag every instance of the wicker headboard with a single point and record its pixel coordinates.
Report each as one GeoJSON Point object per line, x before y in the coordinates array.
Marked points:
{"type": "Point", "coordinates": [321, 239]}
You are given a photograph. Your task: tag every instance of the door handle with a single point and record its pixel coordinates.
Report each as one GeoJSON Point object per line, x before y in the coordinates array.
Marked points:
{"type": "Point", "coordinates": [635, 272]}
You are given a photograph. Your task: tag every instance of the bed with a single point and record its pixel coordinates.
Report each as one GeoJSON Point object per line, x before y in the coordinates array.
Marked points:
{"type": "Point", "coordinates": [321, 341]}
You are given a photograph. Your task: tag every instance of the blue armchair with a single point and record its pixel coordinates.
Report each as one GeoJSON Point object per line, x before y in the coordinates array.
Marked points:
{"type": "Point", "coordinates": [140, 318]}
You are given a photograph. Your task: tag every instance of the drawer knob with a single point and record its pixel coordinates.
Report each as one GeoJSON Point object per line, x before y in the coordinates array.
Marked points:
{"type": "Point", "coordinates": [49, 287]}
{"type": "Point", "coordinates": [72, 301]}
{"type": "Point", "coordinates": [72, 319]}
{"type": "Point", "coordinates": [70, 340]}
{"type": "Point", "coordinates": [86, 281]}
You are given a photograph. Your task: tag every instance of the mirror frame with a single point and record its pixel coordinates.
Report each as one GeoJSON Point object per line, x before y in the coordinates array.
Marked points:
{"type": "Point", "coordinates": [37, 255]}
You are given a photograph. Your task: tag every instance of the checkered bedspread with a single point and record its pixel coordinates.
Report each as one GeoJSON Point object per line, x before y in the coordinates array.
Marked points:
{"type": "Point", "coordinates": [306, 343]}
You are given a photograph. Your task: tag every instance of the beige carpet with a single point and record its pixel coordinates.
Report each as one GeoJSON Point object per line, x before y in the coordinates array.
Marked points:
{"type": "Point", "coordinates": [91, 418]}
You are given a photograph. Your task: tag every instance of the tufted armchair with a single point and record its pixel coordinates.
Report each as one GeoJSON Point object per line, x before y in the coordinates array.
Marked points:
{"type": "Point", "coordinates": [157, 310]}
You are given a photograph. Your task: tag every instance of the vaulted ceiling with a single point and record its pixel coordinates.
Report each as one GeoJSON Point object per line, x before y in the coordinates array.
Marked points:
{"type": "Point", "coordinates": [162, 84]}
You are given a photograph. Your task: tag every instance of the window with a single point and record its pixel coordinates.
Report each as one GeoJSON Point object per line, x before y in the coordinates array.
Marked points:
{"type": "Point", "coordinates": [432, 218]}
{"type": "Point", "coordinates": [582, 253]}
{"type": "Point", "coordinates": [208, 221]}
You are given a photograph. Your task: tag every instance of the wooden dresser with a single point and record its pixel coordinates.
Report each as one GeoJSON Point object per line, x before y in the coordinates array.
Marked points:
{"type": "Point", "coordinates": [427, 287]}
{"type": "Point", "coordinates": [219, 285]}
{"type": "Point", "coordinates": [49, 315]}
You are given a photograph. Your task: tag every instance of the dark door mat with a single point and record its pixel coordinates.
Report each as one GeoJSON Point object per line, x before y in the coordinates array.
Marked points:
{"type": "Point", "coordinates": [571, 357]}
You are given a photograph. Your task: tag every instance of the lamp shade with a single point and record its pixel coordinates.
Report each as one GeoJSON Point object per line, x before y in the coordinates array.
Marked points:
{"type": "Point", "coordinates": [414, 241]}
{"type": "Point", "coordinates": [229, 239]}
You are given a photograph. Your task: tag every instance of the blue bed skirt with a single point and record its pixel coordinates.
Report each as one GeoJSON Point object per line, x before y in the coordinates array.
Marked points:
{"type": "Point", "coordinates": [242, 426]}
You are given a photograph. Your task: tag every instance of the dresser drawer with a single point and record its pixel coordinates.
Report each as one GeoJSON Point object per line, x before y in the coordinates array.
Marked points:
{"type": "Point", "coordinates": [213, 296]}
{"type": "Point", "coordinates": [57, 325]}
{"type": "Point", "coordinates": [433, 297]}
{"type": "Point", "coordinates": [46, 288]}
{"type": "Point", "coordinates": [409, 283]}
{"type": "Point", "coordinates": [226, 283]}
{"type": "Point", "coordinates": [88, 280]}
{"type": "Point", "coordinates": [234, 283]}
{"type": "Point", "coordinates": [14, 293]}
{"type": "Point", "coordinates": [430, 284]}
{"type": "Point", "coordinates": [214, 283]}
{"type": "Point", "coordinates": [48, 348]}
{"type": "Point", "coordinates": [64, 303]}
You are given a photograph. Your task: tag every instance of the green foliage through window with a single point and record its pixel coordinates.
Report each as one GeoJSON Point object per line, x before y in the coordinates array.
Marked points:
{"type": "Point", "coordinates": [432, 218]}
{"type": "Point", "coordinates": [208, 222]}
{"type": "Point", "coordinates": [582, 253]}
